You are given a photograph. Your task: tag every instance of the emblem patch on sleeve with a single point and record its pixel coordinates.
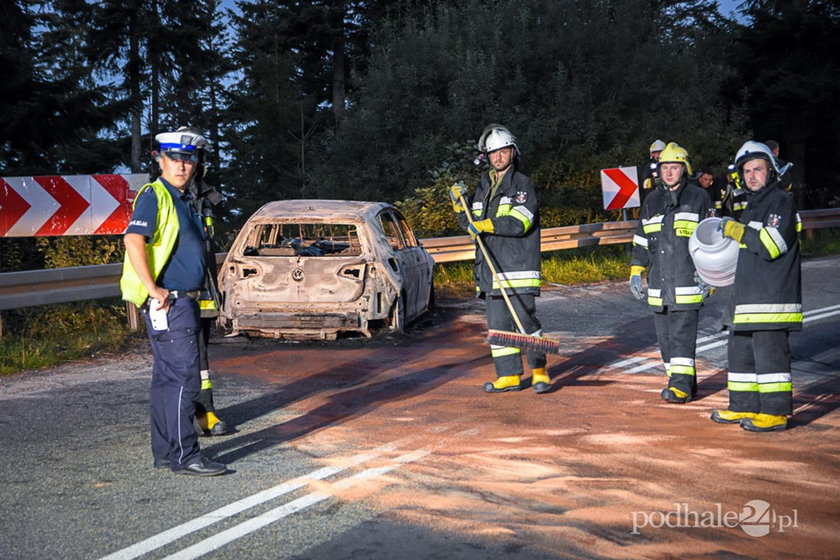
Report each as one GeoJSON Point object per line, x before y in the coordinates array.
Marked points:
{"type": "Point", "coordinates": [521, 197]}
{"type": "Point", "coordinates": [774, 220]}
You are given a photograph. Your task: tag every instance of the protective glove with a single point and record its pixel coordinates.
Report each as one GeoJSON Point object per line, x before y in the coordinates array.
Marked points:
{"type": "Point", "coordinates": [706, 290]}
{"type": "Point", "coordinates": [636, 282]}
{"type": "Point", "coordinates": [457, 191]}
{"type": "Point", "coordinates": [731, 228]}
{"type": "Point", "coordinates": [479, 227]}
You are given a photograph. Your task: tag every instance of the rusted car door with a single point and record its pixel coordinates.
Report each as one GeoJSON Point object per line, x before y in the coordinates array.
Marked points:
{"type": "Point", "coordinates": [422, 263]}
{"type": "Point", "coordinates": [404, 261]}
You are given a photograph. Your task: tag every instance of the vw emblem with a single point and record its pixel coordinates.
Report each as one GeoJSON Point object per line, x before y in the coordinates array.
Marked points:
{"type": "Point", "coordinates": [297, 274]}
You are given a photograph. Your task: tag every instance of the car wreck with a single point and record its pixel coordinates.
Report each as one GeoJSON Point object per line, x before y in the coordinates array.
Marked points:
{"type": "Point", "coordinates": [314, 269]}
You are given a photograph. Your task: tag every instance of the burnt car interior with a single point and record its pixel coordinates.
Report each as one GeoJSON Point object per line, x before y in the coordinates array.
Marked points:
{"type": "Point", "coordinates": [304, 240]}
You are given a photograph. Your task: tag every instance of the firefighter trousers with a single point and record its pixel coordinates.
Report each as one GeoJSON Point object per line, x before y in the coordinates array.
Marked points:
{"type": "Point", "coordinates": [759, 377]}
{"type": "Point", "coordinates": [204, 402]}
{"type": "Point", "coordinates": [508, 359]}
{"type": "Point", "coordinates": [676, 331]}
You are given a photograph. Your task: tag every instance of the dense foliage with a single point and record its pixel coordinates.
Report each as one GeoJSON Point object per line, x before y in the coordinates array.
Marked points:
{"type": "Point", "coordinates": [371, 99]}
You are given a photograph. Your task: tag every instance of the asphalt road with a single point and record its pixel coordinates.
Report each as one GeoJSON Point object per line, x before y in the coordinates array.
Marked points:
{"type": "Point", "coordinates": [387, 448]}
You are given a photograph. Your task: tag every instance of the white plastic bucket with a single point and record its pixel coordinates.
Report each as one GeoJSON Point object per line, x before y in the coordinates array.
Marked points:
{"type": "Point", "coordinates": [715, 256]}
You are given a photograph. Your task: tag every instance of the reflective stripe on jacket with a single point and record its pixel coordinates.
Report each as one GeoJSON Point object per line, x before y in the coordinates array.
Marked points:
{"type": "Point", "coordinates": [660, 244]}
{"type": "Point", "coordinates": [515, 244]}
{"type": "Point", "coordinates": [768, 280]}
{"type": "Point", "coordinates": [158, 250]}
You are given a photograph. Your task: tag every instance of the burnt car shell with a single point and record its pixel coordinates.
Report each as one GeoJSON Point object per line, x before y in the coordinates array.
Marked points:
{"type": "Point", "coordinates": [311, 269]}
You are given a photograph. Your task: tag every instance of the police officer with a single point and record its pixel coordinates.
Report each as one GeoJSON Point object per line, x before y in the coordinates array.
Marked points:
{"type": "Point", "coordinates": [767, 300]}
{"type": "Point", "coordinates": [162, 274]}
{"type": "Point", "coordinates": [660, 245]}
{"type": "Point", "coordinates": [505, 213]}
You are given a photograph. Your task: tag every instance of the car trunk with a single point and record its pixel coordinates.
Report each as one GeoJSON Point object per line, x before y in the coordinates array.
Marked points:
{"type": "Point", "coordinates": [272, 281]}
{"type": "Point", "coordinates": [300, 263]}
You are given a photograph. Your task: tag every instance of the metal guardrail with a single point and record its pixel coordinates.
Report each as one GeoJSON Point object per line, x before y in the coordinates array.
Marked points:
{"type": "Point", "coordinates": [81, 283]}
{"type": "Point", "coordinates": [461, 248]}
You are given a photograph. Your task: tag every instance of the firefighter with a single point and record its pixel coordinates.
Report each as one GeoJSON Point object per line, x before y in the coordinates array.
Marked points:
{"type": "Point", "coordinates": [660, 246]}
{"type": "Point", "coordinates": [205, 198]}
{"type": "Point", "coordinates": [732, 198]}
{"type": "Point", "coordinates": [786, 178]}
{"type": "Point", "coordinates": [767, 300]}
{"type": "Point", "coordinates": [163, 273]}
{"type": "Point", "coordinates": [505, 213]}
{"type": "Point", "coordinates": [647, 172]}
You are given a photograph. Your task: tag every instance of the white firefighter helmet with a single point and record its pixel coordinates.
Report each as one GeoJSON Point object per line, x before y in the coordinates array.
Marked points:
{"type": "Point", "coordinates": [752, 150]}
{"type": "Point", "coordinates": [657, 146]}
{"type": "Point", "coordinates": [495, 137]}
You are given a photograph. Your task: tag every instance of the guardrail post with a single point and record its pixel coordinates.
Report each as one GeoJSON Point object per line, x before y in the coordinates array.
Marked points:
{"type": "Point", "coordinates": [133, 316]}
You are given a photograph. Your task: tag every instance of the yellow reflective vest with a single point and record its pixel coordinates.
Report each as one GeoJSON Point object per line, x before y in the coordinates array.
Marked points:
{"type": "Point", "coordinates": [158, 250]}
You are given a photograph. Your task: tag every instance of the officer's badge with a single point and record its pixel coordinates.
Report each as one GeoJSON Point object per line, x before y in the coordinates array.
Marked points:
{"type": "Point", "coordinates": [521, 197]}
{"type": "Point", "coordinates": [774, 220]}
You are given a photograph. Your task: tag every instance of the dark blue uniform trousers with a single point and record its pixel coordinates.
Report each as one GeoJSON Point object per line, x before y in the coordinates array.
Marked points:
{"type": "Point", "coordinates": [176, 382]}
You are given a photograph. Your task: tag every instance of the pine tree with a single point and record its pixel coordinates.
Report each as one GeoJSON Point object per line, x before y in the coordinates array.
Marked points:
{"type": "Point", "coordinates": [789, 62]}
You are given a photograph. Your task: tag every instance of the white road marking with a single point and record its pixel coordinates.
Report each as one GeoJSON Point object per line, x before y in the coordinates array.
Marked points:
{"type": "Point", "coordinates": [650, 363]}
{"type": "Point", "coordinates": [166, 537]}
{"type": "Point", "coordinates": [246, 527]}
{"type": "Point", "coordinates": [220, 539]}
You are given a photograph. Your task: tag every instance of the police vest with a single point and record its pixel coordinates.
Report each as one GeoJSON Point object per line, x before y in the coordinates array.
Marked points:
{"type": "Point", "coordinates": [158, 250]}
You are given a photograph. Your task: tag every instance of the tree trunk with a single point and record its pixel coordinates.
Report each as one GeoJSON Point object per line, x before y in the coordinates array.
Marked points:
{"type": "Point", "coordinates": [339, 82]}
{"type": "Point", "coordinates": [133, 71]}
{"type": "Point", "coordinates": [154, 69]}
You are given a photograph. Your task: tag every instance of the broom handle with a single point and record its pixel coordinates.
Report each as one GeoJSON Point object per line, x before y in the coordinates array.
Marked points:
{"type": "Point", "coordinates": [493, 272]}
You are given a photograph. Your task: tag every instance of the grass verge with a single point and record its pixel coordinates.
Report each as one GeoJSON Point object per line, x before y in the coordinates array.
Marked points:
{"type": "Point", "coordinates": [573, 266]}
{"type": "Point", "coordinates": [45, 336]}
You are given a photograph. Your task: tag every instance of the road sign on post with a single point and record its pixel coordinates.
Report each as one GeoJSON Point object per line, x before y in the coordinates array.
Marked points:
{"type": "Point", "coordinates": [620, 187]}
{"type": "Point", "coordinates": [67, 204]}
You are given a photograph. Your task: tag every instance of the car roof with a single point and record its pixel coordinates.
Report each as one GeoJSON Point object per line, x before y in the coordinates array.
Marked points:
{"type": "Point", "coordinates": [320, 210]}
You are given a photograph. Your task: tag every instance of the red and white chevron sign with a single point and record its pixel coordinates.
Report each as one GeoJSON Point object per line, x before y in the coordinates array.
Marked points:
{"type": "Point", "coordinates": [67, 204]}
{"type": "Point", "coordinates": [620, 187]}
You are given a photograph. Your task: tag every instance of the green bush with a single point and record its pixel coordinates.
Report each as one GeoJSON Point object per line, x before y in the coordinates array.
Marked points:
{"type": "Point", "coordinates": [35, 337]}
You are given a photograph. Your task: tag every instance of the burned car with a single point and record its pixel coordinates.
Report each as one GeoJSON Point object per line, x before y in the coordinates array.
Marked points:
{"type": "Point", "coordinates": [304, 269]}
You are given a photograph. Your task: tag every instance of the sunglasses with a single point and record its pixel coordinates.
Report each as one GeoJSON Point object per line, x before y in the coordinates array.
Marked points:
{"type": "Point", "coordinates": [181, 156]}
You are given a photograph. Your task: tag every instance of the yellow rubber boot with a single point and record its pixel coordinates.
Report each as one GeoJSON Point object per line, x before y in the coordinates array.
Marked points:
{"type": "Point", "coordinates": [540, 380]}
{"type": "Point", "coordinates": [731, 417]}
{"type": "Point", "coordinates": [765, 423]}
{"type": "Point", "coordinates": [503, 383]}
{"type": "Point", "coordinates": [208, 421]}
{"type": "Point", "coordinates": [674, 395]}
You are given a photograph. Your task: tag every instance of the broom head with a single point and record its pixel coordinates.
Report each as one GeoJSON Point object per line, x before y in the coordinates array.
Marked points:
{"type": "Point", "coordinates": [524, 341]}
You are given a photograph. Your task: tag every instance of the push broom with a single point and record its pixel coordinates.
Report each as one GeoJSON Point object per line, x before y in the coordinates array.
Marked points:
{"type": "Point", "coordinates": [519, 339]}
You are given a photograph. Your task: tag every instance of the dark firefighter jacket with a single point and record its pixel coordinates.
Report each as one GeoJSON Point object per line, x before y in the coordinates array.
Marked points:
{"type": "Point", "coordinates": [768, 280]}
{"type": "Point", "coordinates": [515, 244]}
{"type": "Point", "coordinates": [660, 244]}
